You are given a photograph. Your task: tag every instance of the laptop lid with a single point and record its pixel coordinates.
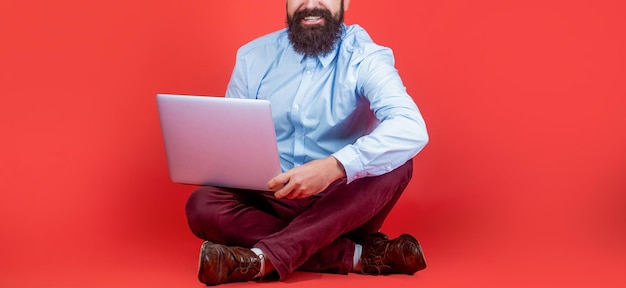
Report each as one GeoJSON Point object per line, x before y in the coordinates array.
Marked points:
{"type": "Point", "coordinates": [219, 141]}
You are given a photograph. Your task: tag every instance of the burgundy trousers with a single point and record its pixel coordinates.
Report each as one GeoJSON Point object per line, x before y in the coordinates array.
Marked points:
{"type": "Point", "coordinates": [317, 233]}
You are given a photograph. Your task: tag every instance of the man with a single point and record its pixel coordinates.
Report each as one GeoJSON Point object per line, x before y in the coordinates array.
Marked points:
{"type": "Point", "coordinates": [346, 131]}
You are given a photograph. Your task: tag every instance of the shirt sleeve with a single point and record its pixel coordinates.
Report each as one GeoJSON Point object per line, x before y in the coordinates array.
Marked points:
{"type": "Point", "coordinates": [401, 132]}
{"type": "Point", "coordinates": [237, 86]}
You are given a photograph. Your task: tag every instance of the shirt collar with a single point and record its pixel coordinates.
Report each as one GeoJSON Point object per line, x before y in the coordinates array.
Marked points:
{"type": "Point", "coordinates": [326, 59]}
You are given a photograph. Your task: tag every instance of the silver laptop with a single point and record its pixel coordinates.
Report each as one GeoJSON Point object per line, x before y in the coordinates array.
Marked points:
{"type": "Point", "coordinates": [219, 141]}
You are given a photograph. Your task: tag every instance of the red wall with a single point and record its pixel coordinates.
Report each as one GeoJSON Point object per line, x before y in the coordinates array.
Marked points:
{"type": "Point", "coordinates": [523, 180]}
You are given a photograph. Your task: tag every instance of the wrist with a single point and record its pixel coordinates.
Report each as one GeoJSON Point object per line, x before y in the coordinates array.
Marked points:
{"type": "Point", "coordinates": [338, 170]}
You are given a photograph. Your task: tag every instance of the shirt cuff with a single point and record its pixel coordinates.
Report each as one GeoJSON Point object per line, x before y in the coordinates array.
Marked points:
{"type": "Point", "coordinates": [349, 158]}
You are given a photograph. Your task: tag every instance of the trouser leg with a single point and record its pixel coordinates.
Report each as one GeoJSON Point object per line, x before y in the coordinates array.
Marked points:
{"type": "Point", "coordinates": [360, 206]}
{"type": "Point", "coordinates": [239, 217]}
{"type": "Point", "coordinates": [338, 257]}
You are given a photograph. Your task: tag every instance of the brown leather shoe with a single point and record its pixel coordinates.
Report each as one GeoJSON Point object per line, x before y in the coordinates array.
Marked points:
{"type": "Point", "coordinates": [382, 256]}
{"type": "Point", "coordinates": [222, 264]}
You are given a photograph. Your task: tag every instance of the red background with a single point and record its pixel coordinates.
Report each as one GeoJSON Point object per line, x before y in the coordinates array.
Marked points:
{"type": "Point", "coordinates": [522, 183]}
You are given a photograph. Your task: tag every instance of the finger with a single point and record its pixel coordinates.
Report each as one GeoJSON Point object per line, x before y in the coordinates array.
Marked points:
{"type": "Point", "coordinates": [276, 187]}
{"type": "Point", "coordinates": [278, 181]}
{"type": "Point", "coordinates": [294, 194]}
{"type": "Point", "coordinates": [284, 192]}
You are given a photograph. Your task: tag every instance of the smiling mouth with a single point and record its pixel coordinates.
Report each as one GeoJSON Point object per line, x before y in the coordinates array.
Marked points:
{"type": "Point", "coordinates": [312, 18]}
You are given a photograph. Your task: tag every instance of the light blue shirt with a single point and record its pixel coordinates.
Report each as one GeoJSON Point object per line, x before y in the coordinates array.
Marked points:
{"type": "Point", "coordinates": [350, 104]}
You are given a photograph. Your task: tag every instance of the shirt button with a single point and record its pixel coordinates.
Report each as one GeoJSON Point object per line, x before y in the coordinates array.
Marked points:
{"type": "Point", "coordinates": [308, 73]}
{"type": "Point", "coordinates": [296, 106]}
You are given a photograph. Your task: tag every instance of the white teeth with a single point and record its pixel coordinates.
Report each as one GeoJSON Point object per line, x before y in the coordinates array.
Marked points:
{"type": "Point", "coordinates": [312, 18]}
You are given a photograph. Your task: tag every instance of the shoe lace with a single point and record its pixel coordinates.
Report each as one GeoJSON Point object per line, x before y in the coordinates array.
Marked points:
{"type": "Point", "coordinates": [376, 262]}
{"type": "Point", "coordinates": [244, 266]}
{"type": "Point", "coordinates": [248, 264]}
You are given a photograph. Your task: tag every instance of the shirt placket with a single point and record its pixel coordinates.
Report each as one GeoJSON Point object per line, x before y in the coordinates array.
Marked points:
{"type": "Point", "coordinates": [297, 114]}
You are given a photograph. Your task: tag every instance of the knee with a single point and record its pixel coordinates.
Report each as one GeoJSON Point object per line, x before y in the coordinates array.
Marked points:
{"type": "Point", "coordinates": [198, 203]}
{"type": "Point", "coordinates": [198, 213]}
{"type": "Point", "coordinates": [407, 170]}
{"type": "Point", "coordinates": [194, 200]}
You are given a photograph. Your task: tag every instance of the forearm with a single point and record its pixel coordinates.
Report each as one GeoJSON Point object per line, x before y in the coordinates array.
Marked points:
{"type": "Point", "coordinates": [383, 150]}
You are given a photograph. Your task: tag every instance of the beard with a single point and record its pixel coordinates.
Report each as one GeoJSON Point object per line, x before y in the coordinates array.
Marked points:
{"type": "Point", "coordinates": [318, 39]}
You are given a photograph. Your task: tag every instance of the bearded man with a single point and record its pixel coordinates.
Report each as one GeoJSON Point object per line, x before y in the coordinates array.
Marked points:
{"type": "Point", "coordinates": [347, 132]}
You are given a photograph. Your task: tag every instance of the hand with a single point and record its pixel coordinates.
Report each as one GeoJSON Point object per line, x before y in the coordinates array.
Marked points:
{"type": "Point", "coordinates": [308, 179]}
